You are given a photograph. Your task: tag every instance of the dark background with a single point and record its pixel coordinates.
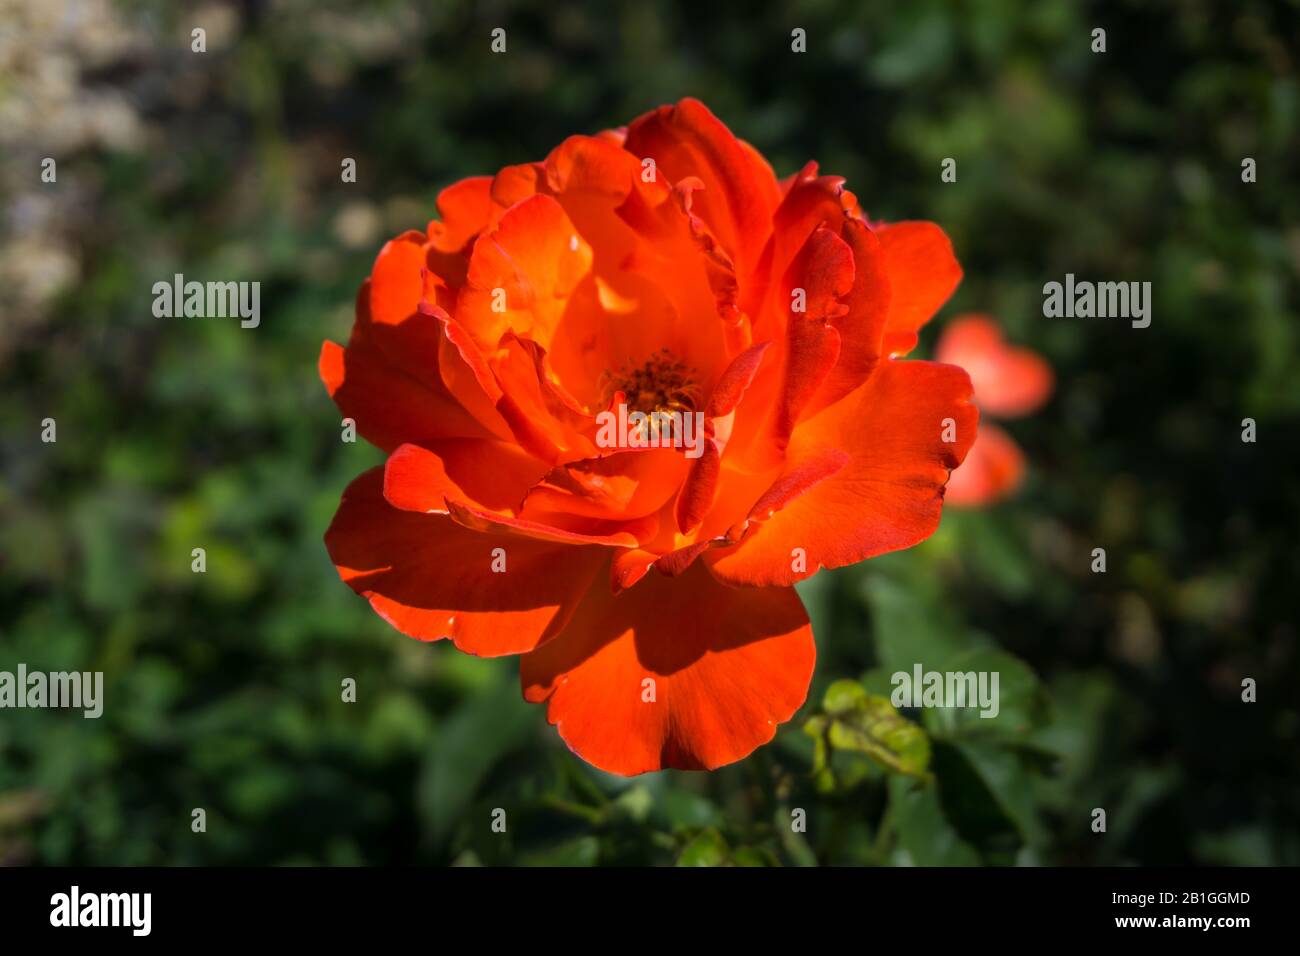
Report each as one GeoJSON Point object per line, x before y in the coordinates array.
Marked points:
{"type": "Point", "coordinates": [1120, 691]}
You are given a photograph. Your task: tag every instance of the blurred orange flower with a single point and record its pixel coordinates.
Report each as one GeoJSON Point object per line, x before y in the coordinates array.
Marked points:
{"type": "Point", "coordinates": [1009, 383]}
{"type": "Point", "coordinates": [659, 270]}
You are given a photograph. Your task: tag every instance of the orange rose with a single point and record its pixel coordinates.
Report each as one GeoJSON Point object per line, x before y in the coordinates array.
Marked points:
{"type": "Point", "coordinates": [660, 270]}
{"type": "Point", "coordinates": [1009, 383]}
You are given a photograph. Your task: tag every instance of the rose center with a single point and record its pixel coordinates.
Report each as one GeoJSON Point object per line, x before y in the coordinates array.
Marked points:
{"type": "Point", "coordinates": [661, 384]}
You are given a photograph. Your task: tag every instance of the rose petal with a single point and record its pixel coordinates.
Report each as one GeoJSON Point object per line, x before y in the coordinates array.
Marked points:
{"type": "Point", "coordinates": [890, 493]}
{"type": "Point", "coordinates": [466, 209]}
{"type": "Point", "coordinates": [1009, 382]}
{"type": "Point", "coordinates": [388, 405]}
{"type": "Point", "coordinates": [492, 474]}
{"type": "Point", "coordinates": [431, 578]}
{"type": "Point", "coordinates": [923, 272]}
{"type": "Point", "coordinates": [993, 469]}
{"type": "Point", "coordinates": [521, 273]}
{"type": "Point", "coordinates": [740, 192]}
{"type": "Point", "coordinates": [727, 666]}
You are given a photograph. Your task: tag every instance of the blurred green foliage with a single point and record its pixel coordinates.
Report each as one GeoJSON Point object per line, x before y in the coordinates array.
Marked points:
{"type": "Point", "coordinates": [1119, 691]}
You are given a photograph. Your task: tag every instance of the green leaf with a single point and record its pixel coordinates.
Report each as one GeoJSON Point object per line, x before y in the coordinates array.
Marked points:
{"type": "Point", "coordinates": [708, 848]}
{"type": "Point", "coordinates": [868, 724]}
{"type": "Point", "coordinates": [925, 836]}
{"type": "Point", "coordinates": [972, 807]}
{"type": "Point", "coordinates": [636, 803]}
{"type": "Point", "coordinates": [753, 856]}
{"type": "Point", "coordinates": [682, 810]}
{"type": "Point", "coordinates": [581, 851]}
{"type": "Point", "coordinates": [1004, 773]}
{"type": "Point", "coordinates": [1021, 701]}
{"type": "Point", "coordinates": [466, 748]}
